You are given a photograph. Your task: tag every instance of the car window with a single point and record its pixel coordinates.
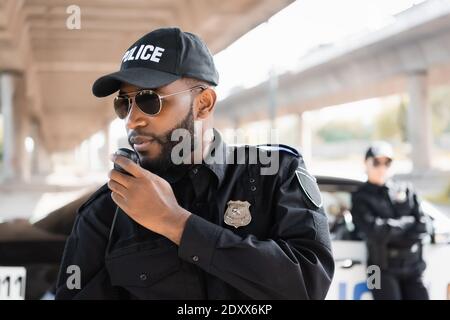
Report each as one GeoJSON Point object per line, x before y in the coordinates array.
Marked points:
{"type": "Point", "coordinates": [337, 205]}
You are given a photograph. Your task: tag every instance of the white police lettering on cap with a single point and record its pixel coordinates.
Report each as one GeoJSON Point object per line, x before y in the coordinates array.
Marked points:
{"type": "Point", "coordinates": [145, 52]}
{"type": "Point", "coordinates": [127, 54]}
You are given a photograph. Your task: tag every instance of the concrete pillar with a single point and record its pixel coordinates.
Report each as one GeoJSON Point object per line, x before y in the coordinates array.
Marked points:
{"type": "Point", "coordinates": [419, 121]}
{"type": "Point", "coordinates": [22, 129]}
{"type": "Point", "coordinates": [84, 154]}
{"type": "Point", "coordinates": [6, 95]}
{"type": "Point", "coordinates": [41, 161]}
{"type": "Point", "coordinates": [92, 155]}
{"type": "Point", "coordinates": [16, 164]}
{"type": "Point", "coordinates": [273, 101]}
{"type": "Point", "coordinates": [236, 122]}
{"type": "Point", "coordinates": [44, 162]}
{"type": "Point", "coordinates": [26, 163]}
{"type": "Point", "coordinates": [304, 136]}
{"type": "Point", "coordinates": [77, 155]}
{"type": "Point", "coordinates": [240, 132]}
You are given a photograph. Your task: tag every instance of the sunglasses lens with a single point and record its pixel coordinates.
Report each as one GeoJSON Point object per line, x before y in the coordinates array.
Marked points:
{"type": "Point", "coordinates": [377, 163]}
{"type": "Point", "coordinates": [148, 102]}
{"type": "Point", "coordinates": [121, 106]}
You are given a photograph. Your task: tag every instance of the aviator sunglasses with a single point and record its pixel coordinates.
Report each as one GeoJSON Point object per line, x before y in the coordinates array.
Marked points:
{"type": "Point", "coordinates": [148, 101]}
{"type": "Point", "coordinates": [378, 162]}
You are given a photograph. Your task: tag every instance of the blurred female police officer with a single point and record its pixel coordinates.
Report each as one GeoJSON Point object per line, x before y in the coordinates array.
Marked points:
{"type": "Point", "coordinates": [388, 217]}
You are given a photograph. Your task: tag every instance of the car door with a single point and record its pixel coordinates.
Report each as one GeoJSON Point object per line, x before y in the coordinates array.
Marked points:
{"type": "Point", "coordinates": [350, 278]}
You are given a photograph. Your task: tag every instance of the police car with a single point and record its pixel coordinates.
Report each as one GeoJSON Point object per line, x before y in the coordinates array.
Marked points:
{"type": "Point", "coordinates": [350, 278]}
{"type": "Point", "coordinates": [30, 253]}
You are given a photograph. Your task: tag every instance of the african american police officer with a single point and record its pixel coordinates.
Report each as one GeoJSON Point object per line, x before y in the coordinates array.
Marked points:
{"type": "Point", "coordinates": [387, 215]}
{"type": "Point", "coordinates": [205, 230]}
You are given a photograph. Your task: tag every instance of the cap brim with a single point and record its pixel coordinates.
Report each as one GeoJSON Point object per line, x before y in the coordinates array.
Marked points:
{"type": "Point", "coordinates": [139, 77]}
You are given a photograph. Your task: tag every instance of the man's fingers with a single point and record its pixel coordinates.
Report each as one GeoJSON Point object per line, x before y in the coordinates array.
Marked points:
{"type": "Point", "coordinates": [119, 177]}
{"type": "Point", "coordinates": [129, 166]}
{"type": "Point", "coordinates": [119, 200]}
{"type": "Point", "coordinates": [117, 188]}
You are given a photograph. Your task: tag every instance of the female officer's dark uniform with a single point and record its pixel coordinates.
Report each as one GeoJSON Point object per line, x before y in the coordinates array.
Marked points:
{"type": "Point", "coordinates": [389, 218]}
{"type": "Point", "coordinates": [283, 252]}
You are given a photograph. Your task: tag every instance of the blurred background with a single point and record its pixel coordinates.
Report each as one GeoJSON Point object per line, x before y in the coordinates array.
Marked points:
{"type": "Point", "coordinates": [329, 76]}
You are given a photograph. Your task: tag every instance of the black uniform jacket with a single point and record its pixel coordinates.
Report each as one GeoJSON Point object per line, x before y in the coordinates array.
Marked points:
{"type": "Point", "coordinates": [390, 219]}
{"type": "Point", "coordinates": [283, 252]}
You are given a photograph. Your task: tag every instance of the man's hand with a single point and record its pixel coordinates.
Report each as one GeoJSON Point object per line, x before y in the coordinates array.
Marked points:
{"type": "Point", "coordinates": [147, 199]}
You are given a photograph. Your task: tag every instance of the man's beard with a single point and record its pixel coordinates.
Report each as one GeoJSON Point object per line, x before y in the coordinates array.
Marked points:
{"type": "Point", "coordinates": [163, 162]}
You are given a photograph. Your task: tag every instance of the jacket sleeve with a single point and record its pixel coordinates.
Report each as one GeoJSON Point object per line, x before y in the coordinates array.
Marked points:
{"type": "Point", "coordinates": [376, 228]}
{"type": "Point", "coordinates": [295, 263]}
{"type": "Point", "coordinates": [422, 224]}
{"type": "Point", "coordinates": [85, 249]}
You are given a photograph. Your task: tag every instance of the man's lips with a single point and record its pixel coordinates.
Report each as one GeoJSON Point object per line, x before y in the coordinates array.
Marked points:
{"type": "Point", "coordinates": [141, 143]}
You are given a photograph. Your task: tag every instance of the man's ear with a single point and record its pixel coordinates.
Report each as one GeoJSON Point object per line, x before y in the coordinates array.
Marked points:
{"type": "Point", "coordinates": [205, 103]}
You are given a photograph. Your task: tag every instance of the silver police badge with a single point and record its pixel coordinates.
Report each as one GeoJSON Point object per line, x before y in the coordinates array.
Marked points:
{"type": "Point", "coordinates": [237, 213]}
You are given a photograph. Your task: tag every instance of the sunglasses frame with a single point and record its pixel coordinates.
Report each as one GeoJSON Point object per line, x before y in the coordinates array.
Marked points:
{"type": "Point", "coordinates": [134, 94]}
{"type": "Point", "coordinates": [377, 163]}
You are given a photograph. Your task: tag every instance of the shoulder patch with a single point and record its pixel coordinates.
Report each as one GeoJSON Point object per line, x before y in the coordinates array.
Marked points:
{"type": "Point", "coordinates": [279, 147]}
{"type": "Point", "coordinates": [309, 186]}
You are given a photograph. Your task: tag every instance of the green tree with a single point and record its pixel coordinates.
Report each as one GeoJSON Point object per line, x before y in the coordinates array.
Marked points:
{"type": "Point", "coordinates": [341, 130]}
{"type": "Point", "coordinates": [391, 123]}
{"type": "Point", "coordinates": [440, 105]}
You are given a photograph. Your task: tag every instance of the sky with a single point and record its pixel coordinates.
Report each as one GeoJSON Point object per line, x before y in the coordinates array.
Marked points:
{"type": "Point", "coordinates": [280, 43]}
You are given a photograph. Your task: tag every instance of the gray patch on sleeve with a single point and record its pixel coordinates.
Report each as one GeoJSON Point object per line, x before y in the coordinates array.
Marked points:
{"type": "Point", "coordinates": [309, 186]}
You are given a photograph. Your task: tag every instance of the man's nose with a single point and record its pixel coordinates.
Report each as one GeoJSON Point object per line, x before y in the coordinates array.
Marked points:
{"type": "Point", "coordinates": [136, 118]}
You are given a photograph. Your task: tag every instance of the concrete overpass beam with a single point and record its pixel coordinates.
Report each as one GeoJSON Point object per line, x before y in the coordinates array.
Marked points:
{"type": "Point", "coordinates": [419, 121]}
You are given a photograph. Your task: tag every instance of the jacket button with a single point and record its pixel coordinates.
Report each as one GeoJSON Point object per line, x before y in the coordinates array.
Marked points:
{"type": "Point", "coordinates": [195, 171]}
{"type": "Point", "coordinates": [253, 188]}
{"type": "Point", "coordinates": [143, 277]}
{"type": "Point", "coordinates": [252, 180]}
{"type": "Point", "coordinates": [195, 258]}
